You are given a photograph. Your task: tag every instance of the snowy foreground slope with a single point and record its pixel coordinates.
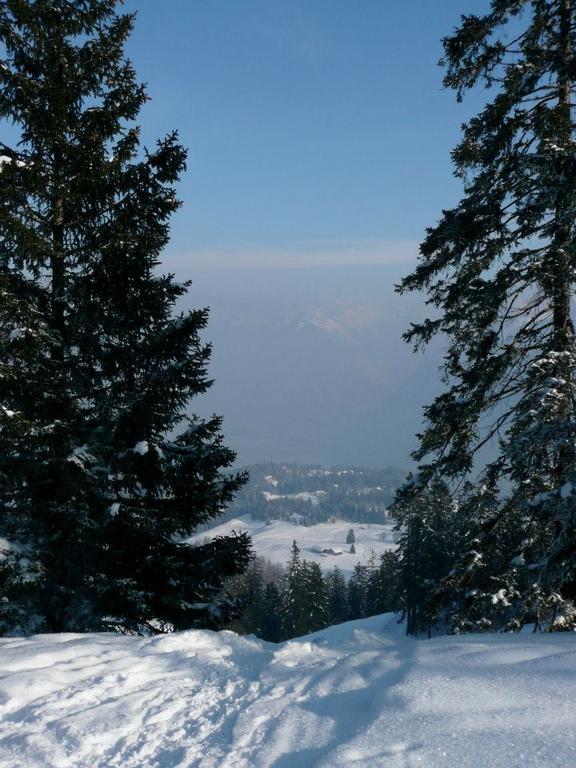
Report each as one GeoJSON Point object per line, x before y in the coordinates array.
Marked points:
{"type": "Point", "coordinates": [359, 694]}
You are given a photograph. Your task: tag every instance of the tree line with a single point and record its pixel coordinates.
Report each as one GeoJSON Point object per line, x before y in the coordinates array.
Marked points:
{"type": "Point", "coordinates": [278, 603]}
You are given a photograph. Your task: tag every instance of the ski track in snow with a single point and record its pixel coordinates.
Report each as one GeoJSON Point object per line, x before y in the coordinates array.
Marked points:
{"type": "Point", "coordinates": [359, 694]}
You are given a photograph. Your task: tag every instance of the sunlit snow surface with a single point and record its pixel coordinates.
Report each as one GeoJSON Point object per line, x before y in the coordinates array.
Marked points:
{"type": "Point", "coordinates": [274, 541]}
{"type": "Point", "coordinates": [359, 694]}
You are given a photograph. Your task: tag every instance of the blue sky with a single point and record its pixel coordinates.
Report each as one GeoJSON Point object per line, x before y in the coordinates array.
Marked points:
{"type": "Point", "coordinates": [318, 130]}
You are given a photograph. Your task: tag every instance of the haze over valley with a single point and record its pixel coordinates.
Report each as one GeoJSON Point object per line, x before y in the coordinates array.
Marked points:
{"type": "Point", "coordinates": [309, 364]}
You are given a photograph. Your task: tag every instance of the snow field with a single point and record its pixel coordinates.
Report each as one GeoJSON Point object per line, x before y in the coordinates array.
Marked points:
{"type": "Point", "coordinates": [274, 541]}
{"type": "Point", "coordinates": [359, 694]}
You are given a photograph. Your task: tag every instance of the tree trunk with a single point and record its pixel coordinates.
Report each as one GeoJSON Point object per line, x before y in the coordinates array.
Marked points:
{"type": "Point", "coordinates": [58, 272]}
{"type": "Point", "coordinates": [562, 322]}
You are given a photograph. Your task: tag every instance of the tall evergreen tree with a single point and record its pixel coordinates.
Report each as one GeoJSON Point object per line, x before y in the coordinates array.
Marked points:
{"type": "Point", "coordinates": [304, 597]}
{"type": "Point", "coordinates": [471, 591]}
{"type": "Point", "coordinates": [314, 598]}
{"type": "Point", "coordinates": [295, 618]}
{"type": "Point", "coordinates": [97, 496]}
{"type": "Point", "coordinates": [357, 589]}
{"type": "Point", "coordinates": [499, 269]}
{"type": "Point", "coordinates": [337, 596]}
{"type": "Point", "coordinates": [271, 623]}
{"type": "Point", "coordinates": [428, 548]}
{"type": "Point", "coordinates": [252, 598]}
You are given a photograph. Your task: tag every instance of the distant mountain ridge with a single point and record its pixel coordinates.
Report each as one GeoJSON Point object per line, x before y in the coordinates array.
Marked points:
{"type": "Point", "coordinates": [310, 365]}
{"type": "Point", "coordinates": [345, 320]}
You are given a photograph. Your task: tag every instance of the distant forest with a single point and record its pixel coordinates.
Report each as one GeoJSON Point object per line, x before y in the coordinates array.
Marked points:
{"type": "Point", "coordinates": [308, 493]}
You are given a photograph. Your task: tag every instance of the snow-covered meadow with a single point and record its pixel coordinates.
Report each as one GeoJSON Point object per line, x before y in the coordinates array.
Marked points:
{"type": "Point", "coordinates": [359, 694]}
{"type": "Point", "coordinates": [274, 540]}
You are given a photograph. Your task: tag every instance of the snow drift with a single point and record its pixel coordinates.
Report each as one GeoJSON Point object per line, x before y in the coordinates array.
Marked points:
{"type": "Point", "coordinates": [359, 694]}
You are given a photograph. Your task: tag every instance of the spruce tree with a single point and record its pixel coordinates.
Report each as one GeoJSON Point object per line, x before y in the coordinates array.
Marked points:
{"type": "Point", "coordinates": [251, 597]}
{"type": "Point", "coordinates": [294, 620]}
{"type": "Point", "coordinates": [429, 521]}
{"type": "Point", "coordinates": [314, 598]}
{"type": "Point", "coordinates": [498, 270]}
{"type": "Point", "coordinates": [103, 476]}
{"type": "Point", "coordinates": [304, 597]}
{"type": "Point", "coordinates": [357, 588]}
{"type": "Point", "coordinates": [337, 596]}
{"type": "Point", "coordinates": [271, 623]}
{"type": "Point", "coordinates": [474, 593]}
{"type": "Point", "coordinates": [382, 585]}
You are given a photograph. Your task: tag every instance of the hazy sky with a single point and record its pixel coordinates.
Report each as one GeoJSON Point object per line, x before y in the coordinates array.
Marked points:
{"type": "Point", "coordinates": [318, 130]}
{"type": "Point", "coordinates": [319, 136]}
